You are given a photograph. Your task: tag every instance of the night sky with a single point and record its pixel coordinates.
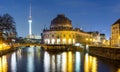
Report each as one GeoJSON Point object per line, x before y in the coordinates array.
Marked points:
{"type": "Point", "coordinates": [90, 15]}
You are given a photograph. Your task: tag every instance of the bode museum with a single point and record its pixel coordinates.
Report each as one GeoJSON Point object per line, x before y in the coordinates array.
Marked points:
{"type": "Point", "coordinates": [62, 32]}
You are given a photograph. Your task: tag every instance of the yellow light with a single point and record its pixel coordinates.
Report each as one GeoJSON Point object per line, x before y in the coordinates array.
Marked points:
{"type": "Point", "coordinates": [118, 70]}
{"type": "Point", "coordinates": [86, 39]}
{"type": "Point", "coordinates": [73, 41]}
{"type": "Point", "coordinates": [4, 64]}
{"type": "Point", "coordinates": [94, 64]}
{"type": "Point", "coordinates": [69, 41]}
{"type": "Point", "coordinates": [64, 41]}
{"type": "Point", "coordinates": [90, 39]}
{"type": "Point", "coordinates": [70, 62]}
{"type": "Point", "coordinates": [93, 40]}
{"type": "Point", "coordinates": [0, 64]}
{"type": "Point", "coordinates": [58, 41]}
{"type": "Point", "coordinates": [0, 46]}
{"type": "Point", "coordinates": [119, 37]}
{"type": "Point", "coordinates": [90, 64]}
{"type": "Point", "coordinates": [86, 66]}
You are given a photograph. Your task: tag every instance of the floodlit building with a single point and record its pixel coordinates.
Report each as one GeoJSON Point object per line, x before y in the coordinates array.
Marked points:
{"type": "Point", "coordinates": [115, 34]}
{"type": "Point", "coordinates": [99, 38]}
{"type": "Point", "coordinates": [61, 31]}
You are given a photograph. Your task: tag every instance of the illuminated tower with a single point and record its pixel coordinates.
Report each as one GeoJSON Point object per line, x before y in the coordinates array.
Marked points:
{"type": "Point", "coordinates": [30, 22]}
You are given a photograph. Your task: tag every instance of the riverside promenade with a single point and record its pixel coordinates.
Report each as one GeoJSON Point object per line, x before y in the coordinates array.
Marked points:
{"type": "Point", "coordinates": [107, 52]}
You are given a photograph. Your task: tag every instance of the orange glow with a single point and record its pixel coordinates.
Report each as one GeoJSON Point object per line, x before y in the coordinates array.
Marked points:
{"type": "Point", "coordinates": [90, 39]}
{"type": "Point", "coordinates": [0, 46]}
{"type": "Point", "coordinates": [0, 64]}
{"type": "Point", "coordinates": [4, 64]}
{"type": "Point", "coordinates": [86, 39]}
{"type": "Point", "coordinates": [90, 64]}
{"type": "Point", "coordinates": [64, 41]}
{"type": "Point", "coordinates": [86, 66]}
{"type": "Point", "coordinates": [4, 46]}
{"type": "Point", "coordinates": [94, 64]}
{"type": "Point", "coordinates": [69, 41]}
{"type": "Point", "coordinates": [118, 70]}
{"type": "Point", "coordinates": [70, 65]}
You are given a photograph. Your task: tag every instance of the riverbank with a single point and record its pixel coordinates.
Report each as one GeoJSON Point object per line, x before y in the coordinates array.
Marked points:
{"type": "Point", "coordinates": [61, 48]}
{"type": "Point", "coordinates": [12, 49]}
{"type": "Point", "coordinates": [106, 52]}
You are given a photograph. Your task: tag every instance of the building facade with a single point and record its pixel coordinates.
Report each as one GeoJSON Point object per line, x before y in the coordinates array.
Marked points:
{"type": "Point", "coordinates": [61, 32]}
{"type": "Point", "coordinates": [115, 34]}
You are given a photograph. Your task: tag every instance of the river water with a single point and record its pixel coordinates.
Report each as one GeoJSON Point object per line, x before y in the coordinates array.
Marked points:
{"type": "Point", "coordinates": [33, 59]}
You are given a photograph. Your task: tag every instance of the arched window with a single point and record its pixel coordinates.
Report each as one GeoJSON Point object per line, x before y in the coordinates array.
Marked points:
{"type": "Point", "coordinates": [64, 41]}
{"type": "Point", "coordinates": [58, 41]}
{"type": "Point", "coordinates": [69, 41]}
{"type": "Point", "coordinates": [53, 41]}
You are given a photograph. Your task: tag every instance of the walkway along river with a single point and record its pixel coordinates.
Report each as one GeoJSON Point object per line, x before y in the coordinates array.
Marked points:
{"type": "Point", "coordinates": [33, 59]}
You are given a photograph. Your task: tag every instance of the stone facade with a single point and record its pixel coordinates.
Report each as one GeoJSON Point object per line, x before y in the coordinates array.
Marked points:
{"type": "Point", "coordinates": [115, 34]}
{"type": "Point", "coordinates": [62, 32]}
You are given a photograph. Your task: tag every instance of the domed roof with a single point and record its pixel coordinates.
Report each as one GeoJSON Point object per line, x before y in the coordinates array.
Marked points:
{"type": "Point", "coordinates": [61, 22]}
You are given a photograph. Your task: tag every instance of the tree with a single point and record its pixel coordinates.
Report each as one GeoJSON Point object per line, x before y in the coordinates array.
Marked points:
{"type": "Point", "coordinates": [7, 26]}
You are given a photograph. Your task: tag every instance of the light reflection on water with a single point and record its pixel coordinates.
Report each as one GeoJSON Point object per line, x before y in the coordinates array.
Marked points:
{"type": "Point", "coordinates": [3, 64]}
{"type": "Point", "coordinates": [78, 62]}
{"type": "Point", "coordinates": [64, 62]}
{"type": "Point", "coordinates": [46, 62]}
{"type": "Point", "coordinates": [35, 60]}
{"type": "Point", "coordinates": [13, 62]}
{"type": "Point", "coordinates": [90, 63]}
{"type": "Point", "coordinates": [30, 59]}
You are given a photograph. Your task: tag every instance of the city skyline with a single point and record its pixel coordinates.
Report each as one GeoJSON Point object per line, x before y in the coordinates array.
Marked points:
{"type": "Point", "coordinates": [88, 15]}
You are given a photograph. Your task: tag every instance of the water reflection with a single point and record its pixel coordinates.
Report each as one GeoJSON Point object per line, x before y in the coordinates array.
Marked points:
{"type": "Point", "coordinates": [13, 62]}
{"type": "Point", "coordinates": [46, 62]}
{"type": "Point", "coordinates": [30, 60]}
{"type": "Point", "coordinates": [78, 62]}
{"type": "Point", "coordinates": [90, 64]}
{"type": "Point", "coordinates": [69, 62]}
{"type": "Point", "coordinates": [64, 62]}
{"type": "Point", "coordinates": [3, 64]}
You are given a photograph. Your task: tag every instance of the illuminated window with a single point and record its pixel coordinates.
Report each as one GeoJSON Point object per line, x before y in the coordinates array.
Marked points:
{"type": "Point", "coordinates": [69, 41]}
{"type": "Point", "coordinates": [64, 41]}
{"type": "Point", "coordinates": [73, 41]}
{"type": "Point", "coordinates": [48, 41]}
{"type": "Point", "coordinates": [45, 40]}
{"type": "Point", "coordinates": [53, 41]}
{"type": "Point", "coordinates": [58, 41]}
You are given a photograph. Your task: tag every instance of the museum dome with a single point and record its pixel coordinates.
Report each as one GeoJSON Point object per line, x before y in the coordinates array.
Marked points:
{"type": "Point", "coordinates": [60, 22]}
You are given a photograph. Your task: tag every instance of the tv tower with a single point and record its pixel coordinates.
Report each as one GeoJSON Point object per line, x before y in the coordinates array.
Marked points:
{"type": "Point", "coordinates": [30, 22]}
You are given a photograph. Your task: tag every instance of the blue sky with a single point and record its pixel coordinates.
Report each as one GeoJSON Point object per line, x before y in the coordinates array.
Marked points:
{"type": "Point", "coordinates": [91, 15]}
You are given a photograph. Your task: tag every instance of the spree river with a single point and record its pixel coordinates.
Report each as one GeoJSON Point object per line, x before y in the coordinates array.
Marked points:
{"type": "Point", "coordinates": [33, 59]}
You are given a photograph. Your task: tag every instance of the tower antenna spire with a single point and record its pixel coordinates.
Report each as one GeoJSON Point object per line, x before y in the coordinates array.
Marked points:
{"type": "Point", "coordinates": [30, 20]}
{"type": "Point", "coordinates": [30, 12]}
